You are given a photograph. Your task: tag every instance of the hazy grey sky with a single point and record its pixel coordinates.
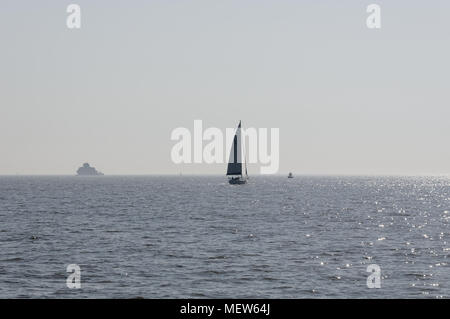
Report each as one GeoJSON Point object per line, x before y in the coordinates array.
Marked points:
{"type": "Point", "coordinates": [347, 99]}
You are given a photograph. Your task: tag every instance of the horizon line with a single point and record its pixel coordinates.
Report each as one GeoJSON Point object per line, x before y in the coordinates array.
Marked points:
{"type": "Point", "coordinates": [255, 175]}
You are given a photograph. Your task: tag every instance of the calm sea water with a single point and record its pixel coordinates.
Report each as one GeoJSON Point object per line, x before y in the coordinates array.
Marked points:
{"type": "Point", "coordinates": [192, 237]}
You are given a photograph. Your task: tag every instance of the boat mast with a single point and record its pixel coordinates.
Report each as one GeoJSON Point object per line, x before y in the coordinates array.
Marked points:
{"type": "Point", "coordinates": [244, 150]}
{"type": "Point", "coordinates": [245, 156]}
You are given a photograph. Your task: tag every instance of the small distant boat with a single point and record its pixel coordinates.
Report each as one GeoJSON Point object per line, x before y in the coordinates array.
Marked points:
{"type": "Point", "coordinates": [234, 169]}
{"type": "Point", "coordinates": [88, 170]}
{"type": "Point", "coordinates": [290, 175]}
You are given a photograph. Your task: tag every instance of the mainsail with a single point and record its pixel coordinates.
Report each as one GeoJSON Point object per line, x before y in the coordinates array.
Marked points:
{"type": "Point", "coordinates": [235, 161]}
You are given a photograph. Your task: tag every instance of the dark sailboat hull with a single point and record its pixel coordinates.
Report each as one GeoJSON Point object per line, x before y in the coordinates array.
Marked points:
{"type": "Point", "coordinates": [237, 181]}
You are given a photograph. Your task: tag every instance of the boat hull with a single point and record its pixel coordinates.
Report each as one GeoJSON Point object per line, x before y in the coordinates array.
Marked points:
{"type": "Point", "coordinates": [237, 181]}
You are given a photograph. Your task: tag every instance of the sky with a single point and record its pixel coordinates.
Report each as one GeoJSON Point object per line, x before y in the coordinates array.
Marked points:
{"type": "Point", "coordinates": [346, 99]}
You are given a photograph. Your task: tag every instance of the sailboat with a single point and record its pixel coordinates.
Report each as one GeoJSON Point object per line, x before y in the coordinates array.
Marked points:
{"type": "Point", "coordinates": [234, 170]}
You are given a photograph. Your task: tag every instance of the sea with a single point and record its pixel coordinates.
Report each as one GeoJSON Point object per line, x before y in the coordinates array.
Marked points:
{"type": "Point", "coordinates": [199, 237]}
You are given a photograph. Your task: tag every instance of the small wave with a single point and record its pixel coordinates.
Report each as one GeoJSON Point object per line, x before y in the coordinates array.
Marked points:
{"type": "Point", "coordinates": [217, 257]}
{"type": "Point", "coordinates": [14, 259]}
